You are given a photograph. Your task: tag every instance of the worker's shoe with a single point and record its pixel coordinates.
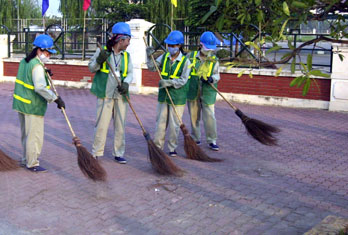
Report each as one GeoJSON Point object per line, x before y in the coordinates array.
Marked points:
{"type": "Point", "coordinates": [37, 169]}
{"type": "Point", "coordinates": [120, 160]}
{"type": "Point", "coordinates": [173, 154]}
{"type": "Point", "coordinates": [214, 147]}
{"type": "Point", "coordinates": [198, 142]}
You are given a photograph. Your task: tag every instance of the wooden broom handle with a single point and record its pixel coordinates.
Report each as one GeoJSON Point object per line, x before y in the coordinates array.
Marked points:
{"type": "Point", "coordinates": [232, 106]}
{"type": "Point", "coordinates": [169, 96]}
{"type": "Point", "coordinates": [128, 100]}
{"type": "Point", "coordinates": [63, 110]}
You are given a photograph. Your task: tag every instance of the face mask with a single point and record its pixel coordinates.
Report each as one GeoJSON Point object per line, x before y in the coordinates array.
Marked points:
{"type": "Point", "coordinates": [44, 58]}
{"type": "Point", "coordinates": [207, 52]}
{"type": "Point", "coordinates": [173, 50]}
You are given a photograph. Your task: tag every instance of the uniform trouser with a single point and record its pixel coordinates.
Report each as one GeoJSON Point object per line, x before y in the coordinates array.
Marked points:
{"type": "Point", "coordinates": [196, 108]}
{"type": "Point", "coordinates": [167, 118]}
{"type": "Point", "coordinates": [32, 131]}
{"type": "Point", "coordinates": [105, 109]}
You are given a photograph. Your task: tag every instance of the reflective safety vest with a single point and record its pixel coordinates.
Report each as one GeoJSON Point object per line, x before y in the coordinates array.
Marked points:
{"type": "Point", "coordinates": [25, 99]}
{"type": "Point", "coordinates": [207, 94]}
{"type": "Point", "coordinates": [173, 71]}
{"type": "Point", "coordinates": [101, 77]}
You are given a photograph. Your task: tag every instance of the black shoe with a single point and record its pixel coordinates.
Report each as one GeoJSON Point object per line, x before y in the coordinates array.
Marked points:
{"type": "Point", "coordinates": [173, 154]}
{"type": "Point", "coordinates": [37, 169]}
{"type": "Point", "coordinates": [120, 160]}
{"type": "Point", "coordinates": [214, 147]}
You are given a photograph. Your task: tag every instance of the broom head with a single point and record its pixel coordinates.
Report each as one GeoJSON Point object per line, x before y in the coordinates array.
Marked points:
{"type": "Point", "coordinates": [259, 130]}
{"type": "Point", "coordinates": [7, 163]}
{"type": "Point", "coordinates": [192, 150]}
{"type": "Point", "coordinates": [160, 161]}
{"type": "Point", "coordinates": [89, 166]}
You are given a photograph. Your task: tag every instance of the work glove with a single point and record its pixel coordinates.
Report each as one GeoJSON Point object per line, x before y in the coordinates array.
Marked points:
{"type": "Point", "coordinates": [208, 80]}
{"type": "Point", "coordinates": [149, 51]}
{"type": "Point", "coordinates": [60, 103]}
{"type": "Point", "coordinates": [165, 83]}
{"type": "Point", "coordinates": [49, 71]}
{"type": "Point", "coordinates": [103, 55]}
{"type": "Point", "coordinates": [123, 89]}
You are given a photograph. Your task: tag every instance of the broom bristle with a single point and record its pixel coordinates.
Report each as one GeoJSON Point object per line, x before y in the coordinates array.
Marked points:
{"type": "Point", "coordinates": [7, 163]}
{"type": "Point", "coordinates": [192, 150]}
{"type": "Point", "coordinates": [89, 166]}
{"type": "Point", "coordinates": [160, 162]}
{"type": "Point", "coordinates": [259, 130]}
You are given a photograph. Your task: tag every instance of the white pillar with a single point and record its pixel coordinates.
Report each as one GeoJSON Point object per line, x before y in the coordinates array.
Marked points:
{"type": "Point", "coordinates": [4, 51]}
{"type": "Point", "coordinates": [339, 79]}
{"type": "Point", "coordinates": [137, 50]}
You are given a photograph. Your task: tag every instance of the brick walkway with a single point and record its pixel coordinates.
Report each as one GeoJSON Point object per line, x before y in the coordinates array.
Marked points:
{"type": "Point", "coordinates": [255, 190]}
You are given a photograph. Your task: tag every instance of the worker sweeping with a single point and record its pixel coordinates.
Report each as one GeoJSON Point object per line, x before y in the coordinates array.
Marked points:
{"type": "Point", "coordinates": [31, 95]}
{"type": "Point", "coordinates": [201, 96]}
{"type": "Point", "coordinates": [174, 66]}
{"type": "Point", "coordinates": [110, 100]}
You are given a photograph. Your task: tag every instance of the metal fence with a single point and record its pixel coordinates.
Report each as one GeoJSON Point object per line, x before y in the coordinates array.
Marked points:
{"type": "Point", "coordinates": [72, 43]}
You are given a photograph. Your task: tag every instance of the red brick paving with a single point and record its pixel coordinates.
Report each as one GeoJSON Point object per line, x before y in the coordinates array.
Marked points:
{"type": "Point", "coordinates": [255, 190]}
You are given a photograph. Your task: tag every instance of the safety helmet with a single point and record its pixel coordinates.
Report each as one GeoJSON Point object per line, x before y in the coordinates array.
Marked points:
{"type": "Point", "coordinates": [208, 39]}
{"type": "Point", "coordinates": [44, 42]}
{"type": "Point", "coordinates": [121, 28]}
{"type": "Point", "coordinates": [175, 38]}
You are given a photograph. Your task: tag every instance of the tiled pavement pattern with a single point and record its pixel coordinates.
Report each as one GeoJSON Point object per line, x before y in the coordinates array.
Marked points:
{"type": "Point", "coordinates": [255, 190]}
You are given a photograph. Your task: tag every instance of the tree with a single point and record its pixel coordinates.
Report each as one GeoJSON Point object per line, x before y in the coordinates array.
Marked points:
{"type": "Point", "coordinates": [273, 18]}
{"type": "Point", "coordinates": [28, 9]}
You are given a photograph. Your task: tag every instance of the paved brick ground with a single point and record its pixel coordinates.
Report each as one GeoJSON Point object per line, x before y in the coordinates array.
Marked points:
{"type": "Point", "coordinates": [255, 190]}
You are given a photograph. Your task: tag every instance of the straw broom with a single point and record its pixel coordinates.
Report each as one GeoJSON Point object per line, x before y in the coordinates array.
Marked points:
{"type": "Point", "coordinates": [160, 162]}
{"type": "Point", "coordinates": [89, 166]}
{"type": "Point", "coordinates": [259, 130]}
{"type": "Point", "coordinates": [7, 163]}
{"type": "Point", "coordinates": [192, 150]}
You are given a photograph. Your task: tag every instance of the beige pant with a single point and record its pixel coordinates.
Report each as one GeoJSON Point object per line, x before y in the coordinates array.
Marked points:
{"type": "Point", "coordinates": [32, 131]}
{"type": "Point", "coordinates": [166, 117]}
{"type": "Point", "coordinates": [106, 109]}
{"type": "Point", "coordinates": [196, 108]}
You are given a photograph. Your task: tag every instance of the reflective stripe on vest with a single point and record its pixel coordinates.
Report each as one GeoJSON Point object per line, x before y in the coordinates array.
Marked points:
{"type": "Point", "coordinates": [21, 99]}
{"type": "Point", "coordinates": [125, 57]}
{"type": "Point", "coordinates": [26, 85]}
{"type": "Point", "coordinates": [164, 64]}
{"type": "Point", "coordinates": [175, 74]}
{"type": "Point", "coordinates": [125, 72]}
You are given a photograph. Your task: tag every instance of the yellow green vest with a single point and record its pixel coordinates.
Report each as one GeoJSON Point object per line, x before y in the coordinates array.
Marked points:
{"type": "Point", "coordinates": [25, 99]}
{"type": "Point", "coordinates": [208, 95]}
{"type": "Point", "coordinates": [101, 77]}
{"type": "Point", "coordinates": [173, 71]}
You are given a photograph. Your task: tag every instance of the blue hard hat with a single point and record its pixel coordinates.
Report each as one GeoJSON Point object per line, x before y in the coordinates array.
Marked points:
{"type": "Point", "coordinates": [208, 39]}
{"type": "Point", "coordinates": [44, 42]}
{"type": "Point", "coordinates": [175, 38]}
{"type": "Point", "coordinates": [121, 28]}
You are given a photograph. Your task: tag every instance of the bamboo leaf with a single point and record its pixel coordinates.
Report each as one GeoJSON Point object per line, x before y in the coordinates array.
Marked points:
{"type": "Point", "coordinates": [306, 87]}
{"type": "Point", "coordinates": [298, 4]}
{"type": "Point", "coordinates": [291, 47]}
{"type": "Point", "coordinates": [304, 67]}
{"type": "Point", "coordinates": [282, 29]}
{"type": "Point", "coordinates": [279, 71]}
{"type": "Point", "coordinates": [286, 9]}
{"type": "Point", "coordinates": [257, 2]}
{"type": "Point", "coordinates": [240, 73]}
{"type": "Point", "coordinates": [293, 65]}
{"type": "Point", "coordinates": [341, 57]}
{"type": "Point", "coordinates": [295, 81]}
{"type": "Point", "coordinates": [275, 48]}
{"type": "Point", "coordinates": [301, 80]}
{"type": "Point", "coordinates": [309, 61]}
{"type": "Point", "coordinates": [318, 73]}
